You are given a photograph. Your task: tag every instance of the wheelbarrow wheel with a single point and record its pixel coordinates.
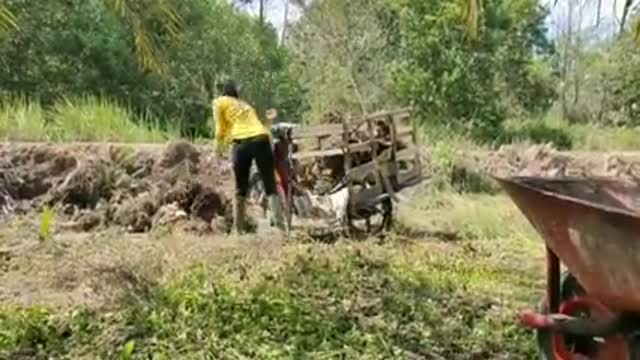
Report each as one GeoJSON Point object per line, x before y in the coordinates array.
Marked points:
{"type": "Point", "coordinates": [569, 288]}
{"type": "Point", "coordinates": [548, 348]}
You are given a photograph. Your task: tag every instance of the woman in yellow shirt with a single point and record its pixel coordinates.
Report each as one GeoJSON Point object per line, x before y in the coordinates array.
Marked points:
{"type": "Point", "coordinates": [237, 124]}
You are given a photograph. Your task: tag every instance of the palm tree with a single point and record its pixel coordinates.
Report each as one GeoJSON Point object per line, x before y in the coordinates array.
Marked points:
{"type": "Point", "coordinates": [473, 11]}
{"type": "Point", "coordinates": [137, 15]}
{"type": "Point", "coordinates": [7, 20]}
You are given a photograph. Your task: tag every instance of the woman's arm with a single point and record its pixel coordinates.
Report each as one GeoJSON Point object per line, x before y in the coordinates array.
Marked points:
{"type": "Point", "coordinates": [221, 127]}
{"type": "Point", "coordinates": [220, 122]}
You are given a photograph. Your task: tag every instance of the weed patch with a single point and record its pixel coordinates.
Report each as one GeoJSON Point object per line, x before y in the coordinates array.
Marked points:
{"type": "Point", "coordinates": [367, 302]}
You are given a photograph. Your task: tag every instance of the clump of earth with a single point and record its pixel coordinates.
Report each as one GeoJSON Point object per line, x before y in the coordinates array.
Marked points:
{"type": "Point", "coordinates": [137, 188]}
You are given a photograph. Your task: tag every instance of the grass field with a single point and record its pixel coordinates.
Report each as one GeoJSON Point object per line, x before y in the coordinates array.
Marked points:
{"type": "Point", "coordinates": [445, 285]}
{"type": "Point", "coordinates": [77, 119]}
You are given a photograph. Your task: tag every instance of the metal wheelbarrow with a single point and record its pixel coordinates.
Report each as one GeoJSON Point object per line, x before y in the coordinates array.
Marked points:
{"type": "Point", "coordinates": [592, 226]}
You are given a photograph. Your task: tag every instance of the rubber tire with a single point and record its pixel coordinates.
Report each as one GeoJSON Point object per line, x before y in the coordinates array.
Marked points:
{"type": "Point", "coordinates": [569, 287]}
{"type": "Point", "coordinates": [387, 221]}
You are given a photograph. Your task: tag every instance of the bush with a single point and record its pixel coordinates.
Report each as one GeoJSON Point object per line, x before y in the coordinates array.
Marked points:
{"type": "Point", "coordinates": [541, 133]}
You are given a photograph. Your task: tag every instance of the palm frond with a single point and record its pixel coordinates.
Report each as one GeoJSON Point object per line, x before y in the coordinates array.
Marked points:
{"type": "Point", "coordinates": [8, 21]}
{"type": "Point", "coordinates": [139, 17]}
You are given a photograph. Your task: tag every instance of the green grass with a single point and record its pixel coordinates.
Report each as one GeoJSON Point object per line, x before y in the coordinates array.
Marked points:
{"type": "Point", "coordinates": [411, 296]}
{"type": "Point", "coordinates": [606, 139]}
{"type": "Point", "coordinates": [77, 119]}
{"type": "Point", "coordinates": [22, 120]}
{"type": "Point", "coordinates": [354, 303]}
{"type": "Point", "coordinates": [472, 216]}
{"type": "Point", "coordinates": [582, 136]}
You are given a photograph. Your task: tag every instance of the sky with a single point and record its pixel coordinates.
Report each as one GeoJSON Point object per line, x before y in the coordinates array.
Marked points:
{"type": "Point", "coordinates": [610, 14]}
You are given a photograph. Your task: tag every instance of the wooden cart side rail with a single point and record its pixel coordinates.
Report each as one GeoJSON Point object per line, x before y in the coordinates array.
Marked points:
{"type": "Point", "coordinates": [359, 173]}
{"type": "Point", "coordinates": [314, 131]}
{"type": "Point", "coordinates": [404, 154]}
{"type": "Point", "coordinates": [397, 114]}
{"type": "Point", "coordinates": [404, 131]}
{"type": "Point", "coordinates": [361, 147]}
{"type": "Point", "coordinates": [324, 130]}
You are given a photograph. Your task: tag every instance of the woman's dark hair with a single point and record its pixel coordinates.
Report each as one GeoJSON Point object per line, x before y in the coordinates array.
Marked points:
{"type": "Point", "coordinates": [229, 88]}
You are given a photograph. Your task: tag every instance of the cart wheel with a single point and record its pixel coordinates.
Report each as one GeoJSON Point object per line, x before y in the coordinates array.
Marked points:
{"type": "Point", "coordinates": [565, 347]}
{"type": "Point", "coordinates": [372, 221]}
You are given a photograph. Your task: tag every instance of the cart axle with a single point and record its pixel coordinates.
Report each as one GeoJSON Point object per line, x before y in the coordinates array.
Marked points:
{"type": "Point", "coordinates": [572, 325]}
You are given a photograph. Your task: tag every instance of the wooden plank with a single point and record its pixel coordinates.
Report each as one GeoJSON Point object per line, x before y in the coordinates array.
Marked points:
{"type": "Point", "coordinates": [317, 153]}
{"type": "Point", "coordinates": [316, 131]}
{"type": "Point", "coordinates": [361, 147]}
{"type": "Point", "coordinates": [385, 114]}
{"type": "Point", "coordinates": [347, 168]}
{"type": "Point", "coordinates": [404, 131]}
{"type": "Point", "coordinates": [407, 154]}
{"type": "Point", "coordinates": [409, 177]}
{"type": "Point", "coordinates": [360, 172]}
{"type": "Point", "coordinates": [401, 117]}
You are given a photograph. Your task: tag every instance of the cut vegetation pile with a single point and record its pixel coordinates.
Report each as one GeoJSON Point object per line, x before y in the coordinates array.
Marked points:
{"type": "Point", "coordinates": [323, 173]}
{"type": "Point", "coordinates": [135, 188]}
{"type": "Point", "coordinates": [545, 161]}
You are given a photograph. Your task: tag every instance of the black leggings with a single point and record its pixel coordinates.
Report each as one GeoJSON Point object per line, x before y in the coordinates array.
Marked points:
{"type": "Point", "coordinates": [244, 152]}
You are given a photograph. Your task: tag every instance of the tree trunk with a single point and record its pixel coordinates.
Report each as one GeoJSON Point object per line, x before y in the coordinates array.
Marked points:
{"type": "Point", "coordinates": [565, 60]}
{"type": "Point", "coordinates": [261, 12]}
{"type": "Point", "coordinates": [285, 23]}
{"type": "Point", "coordinates": [625, 14]}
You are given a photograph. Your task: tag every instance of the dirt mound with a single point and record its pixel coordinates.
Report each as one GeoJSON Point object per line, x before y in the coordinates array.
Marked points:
{"type": "Point", "coordinates": [136, 188]}
{"type": "Point", "coordinates": [545, 161]}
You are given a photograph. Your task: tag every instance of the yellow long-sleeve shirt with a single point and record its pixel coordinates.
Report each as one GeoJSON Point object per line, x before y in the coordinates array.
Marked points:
{"type": "Point", "coordinates": [235, 120]}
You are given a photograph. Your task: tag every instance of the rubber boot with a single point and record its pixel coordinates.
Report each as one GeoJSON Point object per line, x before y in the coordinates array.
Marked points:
{"type": "Point", "coordinates": [239, 215]}
{"type": "Point", "coordinates": [277, 212]}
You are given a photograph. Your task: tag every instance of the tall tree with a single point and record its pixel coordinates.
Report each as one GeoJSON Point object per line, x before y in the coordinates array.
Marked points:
{"type": "Point", "coordinates": [261, 7]}
{"type": "Point", "coordinates": [139, 15]}
{"type": "Point", "coordinates": [344, 53]}
{"type": "Point", "coordinates": [461, 77]}
{"type": "Point", "coordinates": [625, 14]}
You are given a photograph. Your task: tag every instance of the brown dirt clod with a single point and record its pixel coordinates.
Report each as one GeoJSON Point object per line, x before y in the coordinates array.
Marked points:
{"type": "Point", "coordinates": [113, 184]}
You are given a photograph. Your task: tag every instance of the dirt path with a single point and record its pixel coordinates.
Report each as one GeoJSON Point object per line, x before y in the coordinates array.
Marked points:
{"type": "Point", "coordinates": [103, 268]}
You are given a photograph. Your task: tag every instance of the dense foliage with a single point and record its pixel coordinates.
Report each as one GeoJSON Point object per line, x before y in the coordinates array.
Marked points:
{"type": "Point", "coordinates": [466, 81]}
{"type": "Point", "coordinates": [81, 47]}
{"type": "Point", "coordinates": [356, 56]}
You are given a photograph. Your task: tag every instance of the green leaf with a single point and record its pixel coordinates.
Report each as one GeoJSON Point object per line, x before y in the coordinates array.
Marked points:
{"type": "Point", "coordinates": [128, 349]}
{"type": "Point", "coordinates": [46, 221]}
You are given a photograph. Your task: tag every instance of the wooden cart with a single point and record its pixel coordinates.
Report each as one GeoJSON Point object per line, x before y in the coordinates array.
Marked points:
{"type": "Point", "coordinates": [369, 158]}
